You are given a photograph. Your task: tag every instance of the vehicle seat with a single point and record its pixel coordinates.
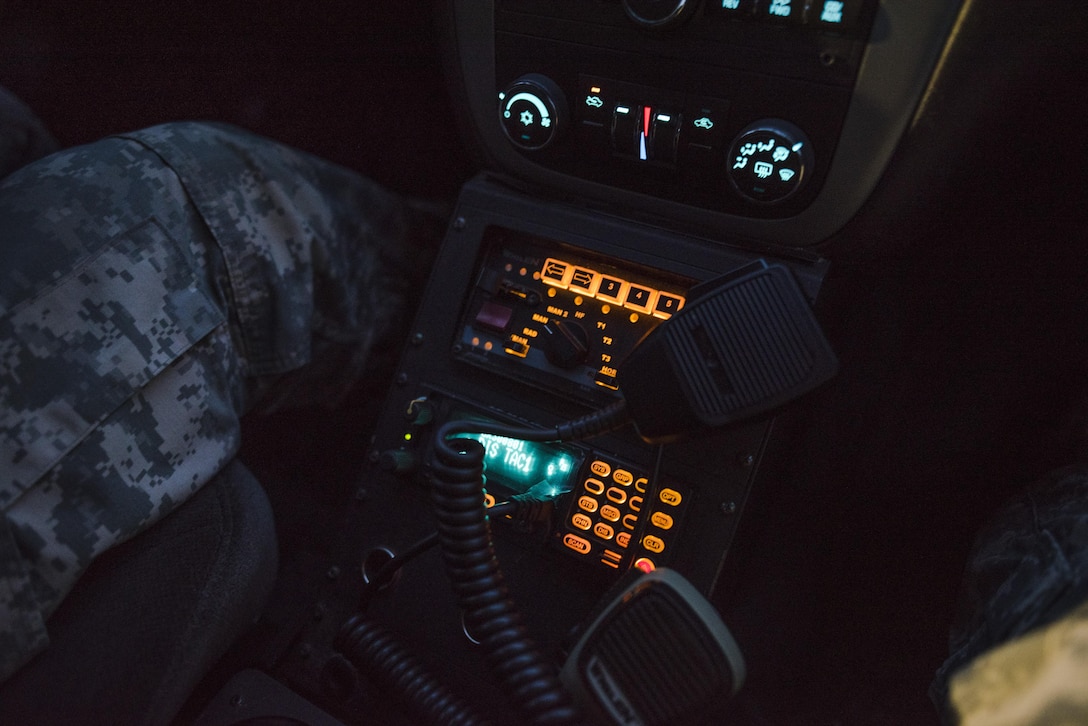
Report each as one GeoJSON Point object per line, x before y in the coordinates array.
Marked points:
{"type": "Point", "coordinates": [23, 136]}
{"type": "Point", "coordinates": [151, 617]}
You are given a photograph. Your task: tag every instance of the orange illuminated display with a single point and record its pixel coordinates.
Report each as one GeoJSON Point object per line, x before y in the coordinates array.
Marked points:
{"type": "Point", "coordinates": [606, 288]}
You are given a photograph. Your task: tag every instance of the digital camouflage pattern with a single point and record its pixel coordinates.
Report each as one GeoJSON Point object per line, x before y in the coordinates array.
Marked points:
{"type": "Point", "coordinates": [1019, 651]}
{"type": "Point", "coordinates": [1038, 679]}
{"type": "Point", "coordinates": [153, 288]}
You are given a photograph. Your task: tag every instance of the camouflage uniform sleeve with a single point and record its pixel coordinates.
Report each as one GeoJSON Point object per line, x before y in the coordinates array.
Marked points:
{"type": "Point", "coordinates": [1037, 679]}
{"type": "Point", "coordinates": [1022, 623]}
{"type": "Point", "coordinates": [153, 288]}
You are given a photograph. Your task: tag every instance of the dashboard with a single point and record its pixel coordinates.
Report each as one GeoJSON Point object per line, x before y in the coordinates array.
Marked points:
{"type": "Point", "coordinates": [665, 120]}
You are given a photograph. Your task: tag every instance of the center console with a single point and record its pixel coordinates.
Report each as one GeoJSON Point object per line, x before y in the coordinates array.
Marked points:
{"type": "Point", "coordinates": [635, 150]}
{"type": "Point", "coordinates": [528, 319]}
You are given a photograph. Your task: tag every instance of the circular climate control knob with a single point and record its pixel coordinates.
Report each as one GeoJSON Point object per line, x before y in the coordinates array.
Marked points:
{"type": "Point", "coordinates": [532, 111]}
{"type": "Point", "coordinates": [657, 14]}
{"type": "Point", "coordinates": [770, 161]}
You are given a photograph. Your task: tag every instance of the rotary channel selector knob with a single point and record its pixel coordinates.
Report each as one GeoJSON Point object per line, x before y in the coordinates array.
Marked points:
{"type": "Point", "coordinates": [770, 161]}
{"type": "Point", "coordinates": [532, 111]}
{"type": "Point", "coordinates": [658, 14]}
{"type": "Point", "coordinates": [566, 345]}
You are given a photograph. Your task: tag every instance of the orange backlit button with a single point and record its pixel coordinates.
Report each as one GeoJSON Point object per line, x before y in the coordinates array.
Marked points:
{"type": "Point", "coordinates": [667, 305]}
{"type": "Point", "coordinates": [594, 486]}
{"type": "Point", "coordinates": [623, 539]}
{"type": "Point", "coordinates": [654, 544]}
{"type": "Point", "coordinates": [612, 559]}
{"type": "Point", "coordinates": [603, 531]}
{"type": "Point", "coordinates": [635, 504]}
{"type": "Point", "coordinates": [516, 347]}
{"type": "Point", "coordinates": [623, 477]}
{"type": "Point", "coordinates": [610, 513]}
{"type": "Point", "coordinates": [617, 495]}
{"type": "Point", "coordinates": [587, 503]}
{"type": "Point", "coordinates": [639, 298]}
{"type": "Point", "coordinates": [661, 520]}
{"type": "Point", "coordinates": [611, 289]}
{"type": "Point", "coordinates": [640, 484]}
{"type": "Point", "coordinates": [630, 520]}
{"type": "Point", "coordinates": [600, 468]}
{"type": "Point", "coordinates": [670, 497]}
{"type": "Point", "coordinates": [581, 521]}
{"type": "Point", "coordinates": [555, 272]}
{"type": "Point", "coordinates": [583, 280]}
{"type": "Point", "coordinates": [576, 543]}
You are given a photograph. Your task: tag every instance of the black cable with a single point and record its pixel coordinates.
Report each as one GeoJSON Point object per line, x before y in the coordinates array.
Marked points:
{"type": "Point", "coordinates": [390, 568]}
{"type": "Point", "coordinates": [386, 572]}
{"type": "Point", "coordinates": [388, 663]}
{"type": "Point", "coordinates": [610, 418]}
{"type": "Point", "coordinates": [470, 559]}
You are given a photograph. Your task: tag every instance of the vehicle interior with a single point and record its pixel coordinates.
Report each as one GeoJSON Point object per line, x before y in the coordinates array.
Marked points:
{"type": "Point", "coordinates": [874, 207]}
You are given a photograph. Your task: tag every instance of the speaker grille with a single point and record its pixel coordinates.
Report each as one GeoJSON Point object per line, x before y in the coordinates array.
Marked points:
{"type": "Point", "coordinates": [654, 651]}
{"type": "Point", "coordinates": [748, 346]}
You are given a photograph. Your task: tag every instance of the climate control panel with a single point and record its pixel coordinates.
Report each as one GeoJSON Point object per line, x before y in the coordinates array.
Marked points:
{"type": "Point", "coordinates": [659, 98]}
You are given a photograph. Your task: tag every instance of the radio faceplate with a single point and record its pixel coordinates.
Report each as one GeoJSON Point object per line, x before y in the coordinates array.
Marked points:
{"type": "Point", "coordinates": [560, 319]}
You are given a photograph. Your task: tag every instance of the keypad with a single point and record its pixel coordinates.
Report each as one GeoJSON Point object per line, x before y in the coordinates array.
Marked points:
{"type": "Point", "coordinates": [616, 516]}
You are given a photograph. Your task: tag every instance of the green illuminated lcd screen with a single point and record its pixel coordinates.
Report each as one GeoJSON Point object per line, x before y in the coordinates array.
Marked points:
{"type": "Point", "coordinates": [520, 466]}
